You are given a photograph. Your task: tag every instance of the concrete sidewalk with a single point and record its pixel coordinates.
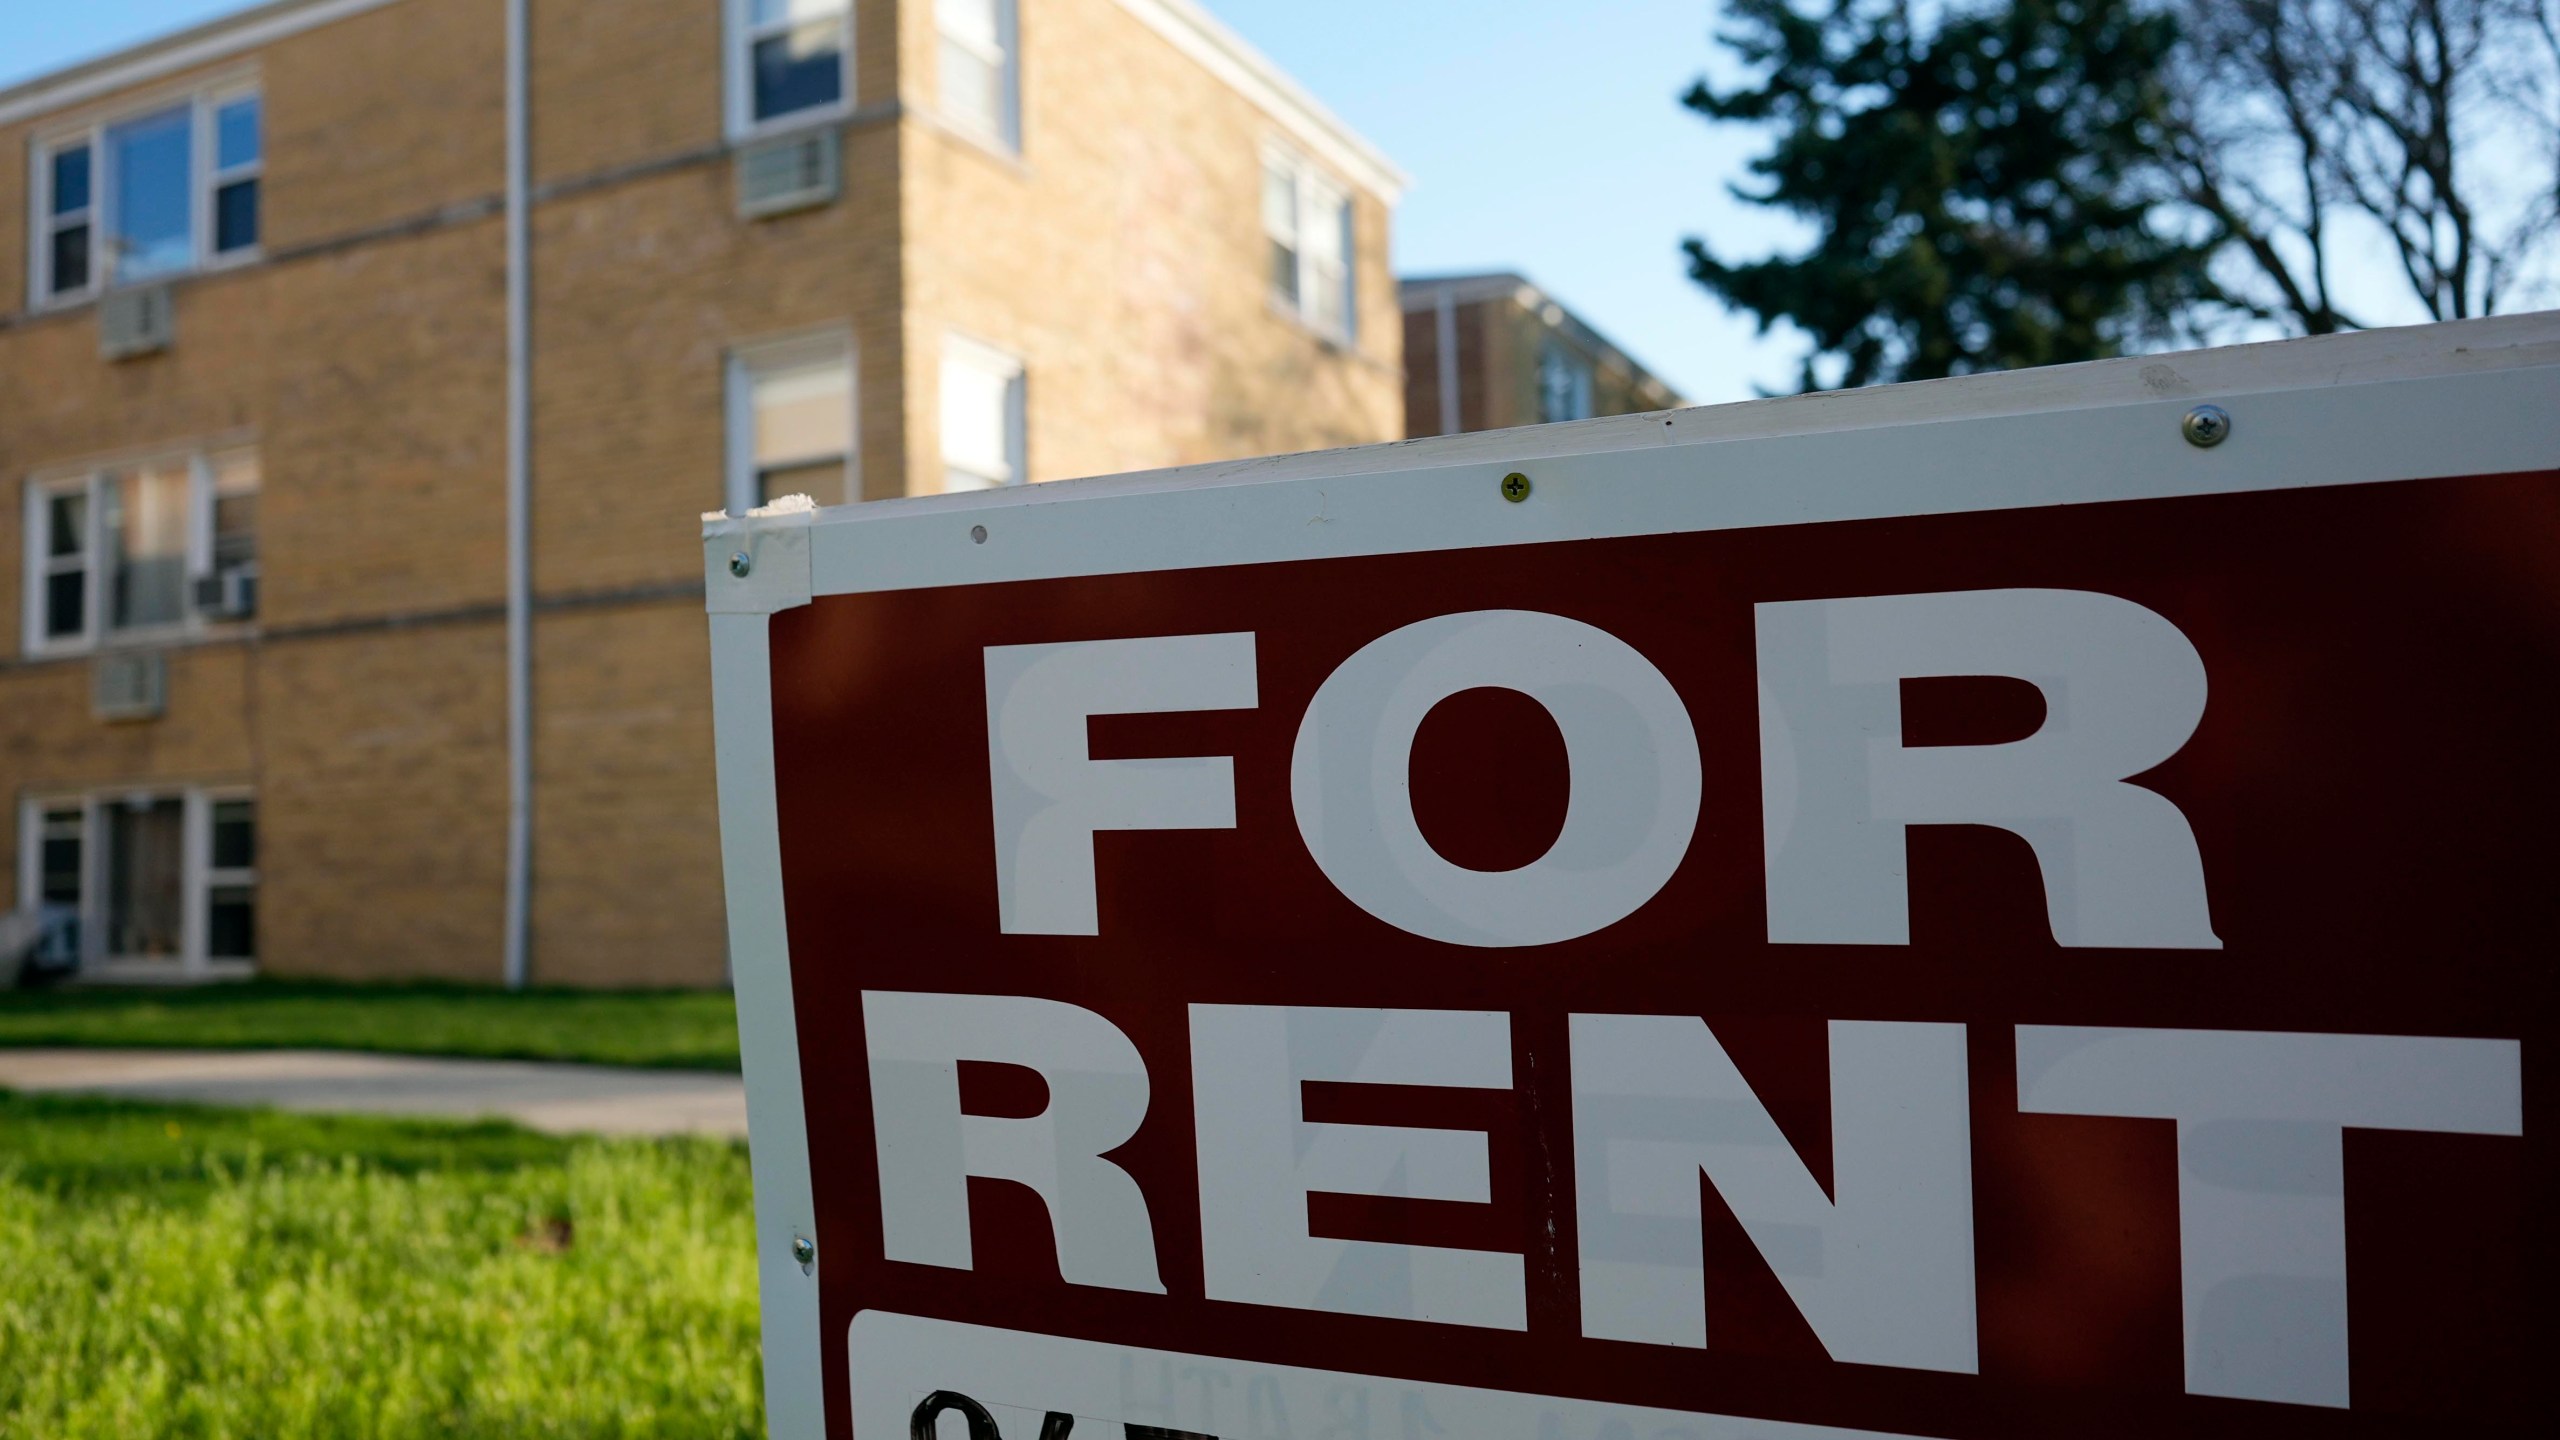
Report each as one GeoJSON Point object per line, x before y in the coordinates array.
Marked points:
{"type": "Point", "coordinates": [562, 1099]}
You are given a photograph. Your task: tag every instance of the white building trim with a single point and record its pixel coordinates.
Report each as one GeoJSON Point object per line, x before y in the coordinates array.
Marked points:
{"type": "Point", "coordinates": [1224, 54]}
{"type": "Point", "coordinates": [156, 59]}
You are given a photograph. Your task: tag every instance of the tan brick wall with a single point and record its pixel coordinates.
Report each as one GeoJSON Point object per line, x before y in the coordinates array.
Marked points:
{"type": "Point", "coordinates": [643, 289]}
{"type": "Point", "coordinates": [382, 803]}
{"type": "Point", "coordinates": [1121, 257]}
{"type": "Point", "coordinates": [383, 117]}
{"type": "Point", "coordinates": [627, 879]}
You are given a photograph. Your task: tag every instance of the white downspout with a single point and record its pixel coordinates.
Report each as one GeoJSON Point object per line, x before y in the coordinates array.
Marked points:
{"type": "Point", "coordinates": [519, 918]}
{"type": "Point", "coordinates": [1446, 340]}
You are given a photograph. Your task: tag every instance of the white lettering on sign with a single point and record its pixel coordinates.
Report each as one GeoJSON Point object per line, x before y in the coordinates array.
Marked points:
{"type": "Point", "coordinates": [1259, 1158]}
{"type": "Point", "coordinates": [1882, 1267]}
{"type": "Point", "coordinates": [2262, 1205]}
{"type": "Point", "coordinates": [928, 1148]}
{"type": "Point", "coordinates": [1631, 751]}
{"type": "Point", "coordinates": [1051, 796]}
{"type": "Point", "coordinates": [2123, 690]}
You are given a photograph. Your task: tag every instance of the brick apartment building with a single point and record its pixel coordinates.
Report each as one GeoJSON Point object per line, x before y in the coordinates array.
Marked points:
{"type": "Point", "coordinates": [257, 700]}
{"type": "Point", "coordinates": [1488, 352]}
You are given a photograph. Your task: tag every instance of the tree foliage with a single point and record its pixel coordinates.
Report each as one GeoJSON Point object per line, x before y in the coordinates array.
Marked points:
{"type": "Point", "coordinates": [1983, 188]}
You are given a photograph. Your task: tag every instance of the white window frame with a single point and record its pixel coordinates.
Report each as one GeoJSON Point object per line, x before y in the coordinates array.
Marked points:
{"type": "Point", "coordinates": [1321, 199]}
{"type": "Point", "coordinates": [1006, 58]}
{"type": "Point", "coordinates": [203, 101]}
{"type": "Point", "coordinates": [746, 362]}
{"type": "Point", "coordinates": [993, 360]}
{"type": "Point", "coordinates": [39, 564]}
{"type": "Point", "coordinates": [738, 41]}
{"type": "Point", "coordinates": [197, 879]}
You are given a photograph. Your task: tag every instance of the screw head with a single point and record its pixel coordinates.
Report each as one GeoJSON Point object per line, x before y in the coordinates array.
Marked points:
{"type": "Point", "coordinates": [2206, 426]}
{"type": "Point", "coordinates": [739, 564]}
{"type": "Point", "coordinates": [1515, 487]}
{"type": "Point", "coordinates": [977, 534]}
{"type": "Point", "coordinates": [804, 1250]}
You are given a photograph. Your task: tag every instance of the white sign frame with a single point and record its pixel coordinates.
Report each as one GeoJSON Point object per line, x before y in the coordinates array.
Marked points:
{"type": "Point", "coordinates": [2470, 397]}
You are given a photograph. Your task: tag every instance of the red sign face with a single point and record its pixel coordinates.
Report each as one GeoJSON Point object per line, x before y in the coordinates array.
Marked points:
{"type": "Point", "coordinates": [2075, 970]}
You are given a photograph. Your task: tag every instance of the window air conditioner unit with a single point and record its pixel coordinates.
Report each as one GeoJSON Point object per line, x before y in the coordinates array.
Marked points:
{"type": "Point", "coordinates": [130, 685]}
{"type": "Point", "coordinates": [796, 173]}
{"type": "Point", "coordinates": [140, 321]}
{"type": "Point", "coordinates": [229, 594]}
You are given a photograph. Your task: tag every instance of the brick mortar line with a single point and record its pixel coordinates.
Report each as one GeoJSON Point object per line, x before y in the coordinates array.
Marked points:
{"type": "Point", "coordinates": [473, 210]}
{"type": "Point", "coordinates": [485, 613]}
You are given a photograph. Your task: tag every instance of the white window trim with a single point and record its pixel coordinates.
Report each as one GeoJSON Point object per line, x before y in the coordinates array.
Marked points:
{"type": "Point", "coordinates": [1319, 195]}
{"type": "Point", "coordinates": [204, 99]}
{"type": "Point", "coordinates": [1017, 404]}
{"type": "Point", "coordinates": [1007, 136]}
{"type": "Point", "coordinates": [38, 564]}
{"type": "Point", "coordinates": [738, 479]}
{"type": "Point", "coordinates": [739, 34]}
{"type": "Point", "coordinates": [197, 879]}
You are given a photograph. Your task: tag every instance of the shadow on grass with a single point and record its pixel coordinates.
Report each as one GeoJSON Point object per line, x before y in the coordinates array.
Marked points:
{"type": "Point", "coordinates": [670, 1029]}
{"type": "Point", "coordinates": [86, 1147]}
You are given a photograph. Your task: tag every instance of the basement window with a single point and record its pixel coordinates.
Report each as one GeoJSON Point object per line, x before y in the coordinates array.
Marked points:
{"type": "Point", "coordinates": [789, 60]}
{"type": "Point", "coordinates": [146, 550]}
{"type": "Point", "coordinates": [144, 196]}
{"type": "Point", "coordinates": [1306, 222]}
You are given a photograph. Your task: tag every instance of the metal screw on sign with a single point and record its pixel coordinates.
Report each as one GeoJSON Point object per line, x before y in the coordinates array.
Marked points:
{"type": "Point", "coordinates": [1515, 487]}
{"type": "Point", "coordinates": [977, 534]}
{"type": "Point", "coordinates": [2206, 426]}
{"type": "Point", "coordinates": [804, 1250]}
{"type": "Point", "coordinates": [739, 564]}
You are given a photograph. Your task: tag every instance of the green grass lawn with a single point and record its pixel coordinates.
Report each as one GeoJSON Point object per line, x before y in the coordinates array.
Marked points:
{"type": "Point", "coordinates": [687, 1029]}
{"type": "Point", "coordinates": [184, 1272]}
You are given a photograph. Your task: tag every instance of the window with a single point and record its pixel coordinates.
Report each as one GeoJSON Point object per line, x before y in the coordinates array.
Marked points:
{"type": "Point", "coordinates": [157, 883]}
{"type": "Point", "coordinates": [982, 417]}
{"type": "Point", "coordinates": [980, 89]}
{"type": "Point", "coordinates": [792, 425]}
{"type": "Point", "coordinates": [153, 548]}
{"type": "Point", "coordinates": [1307, 221]}
{"type": "Point", "coordinates": [790, 58]}
{"type": "Point", "coordinates": [1564, 384]}
{"type": "Point", "coordinates": [147, 196]}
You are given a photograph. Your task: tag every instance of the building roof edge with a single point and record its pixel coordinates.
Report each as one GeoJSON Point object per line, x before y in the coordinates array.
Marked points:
{"type": "Point", "coordinates": [1225, 54]}
{"type": "Point", "coordinates": [149, 60]}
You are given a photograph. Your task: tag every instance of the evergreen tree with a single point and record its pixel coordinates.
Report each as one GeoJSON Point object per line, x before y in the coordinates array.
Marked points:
{"type": "Point", "coordinates": [1983, 176]}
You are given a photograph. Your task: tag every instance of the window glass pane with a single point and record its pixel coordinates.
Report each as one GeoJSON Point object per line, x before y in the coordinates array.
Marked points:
{"type": "Point", "coordinates": [66, 604]}
{"type": "Point", "coordinates": [977, 421]}
{"type": "Point", "coordinates": [70, 259]}
{"type": "Point", "coordinates": [774, 12]}
{"type": "Point", "coordinates": [146, 531]}
{"type": "Point", "coordinates": [1325, 227]}
{"type": "Point", "coordinates": [146, 854]}
{"type": "Point", "coordinates": [975, 21]}
{"type": "Point", "coordinates": [70, 180]}
{"type": "Point", "coordinates": [1280, 204]}
{"type": "Point", "coordinates": [235, 134]}
{"type": "Point", "coordinates": [1284, 273]}
{"type": "Point", "coordinates": [803, 412]}
{"type": "Point", "coordinates": [63, 834]}
{"type": "Point", "coordinates": [235, 834]}
{"type": "Point", "coordinates": [972, 89]}
{"type": "Point", "coordinates": [153, 213]}
{"type": "Point", "coordinates": [231, 923]}
{"type": "Point", "coordinates": [799, 69]}
{"type": "Point", "coordinates": [1328, 300]}
{"type": "Point", "coordinates": [67, 520]}
{"type": "Point", "coordinates": [1564, 385]}
{"type": "Point", "coordinates": [235, 216]}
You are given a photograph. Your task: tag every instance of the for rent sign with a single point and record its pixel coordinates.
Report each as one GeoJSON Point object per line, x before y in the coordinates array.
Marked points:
{"type": "Point", "coordinates": [1954, 913]}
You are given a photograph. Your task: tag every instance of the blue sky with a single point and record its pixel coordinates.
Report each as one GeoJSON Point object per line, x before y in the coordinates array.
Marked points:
{"type": "Point", "coordinates": [1549, 140]}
